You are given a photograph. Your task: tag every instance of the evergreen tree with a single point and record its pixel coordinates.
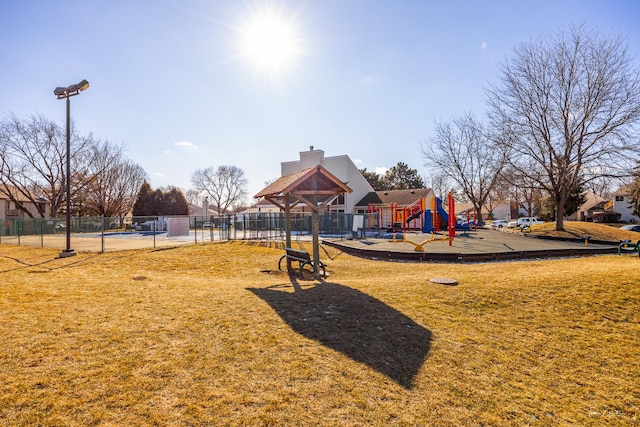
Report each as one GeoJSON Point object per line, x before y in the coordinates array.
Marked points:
{"type": "Point", "coordinates": [576, 198]}
{"type": "Point", "coordinates": [401, 177]}
{"type": "Point", "coordinates": [374, 179]}
{"type": "Point", "coordinates": [143, 205]}
{"type": "Point", "coordinates": [174, 203]}
{"type": "Point", "coordinates": [158, 202]}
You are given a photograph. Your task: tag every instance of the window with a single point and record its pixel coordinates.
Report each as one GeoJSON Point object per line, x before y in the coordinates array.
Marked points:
{"type": "Point", "coordinates": [619, 198]}
{"type": "Point", "coordinates": [338, 200]}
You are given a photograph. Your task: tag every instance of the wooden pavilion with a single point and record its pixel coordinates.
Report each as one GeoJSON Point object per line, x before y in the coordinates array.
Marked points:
{"type": "Point", "coordinates": [316, 187]}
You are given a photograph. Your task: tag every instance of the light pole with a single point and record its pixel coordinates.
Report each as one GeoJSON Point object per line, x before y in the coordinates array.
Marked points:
{"type": "Point", "coordinates": [66, 93]}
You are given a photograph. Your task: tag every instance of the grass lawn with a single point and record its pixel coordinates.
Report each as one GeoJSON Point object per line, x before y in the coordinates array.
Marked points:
{"type": "Point", "coordinates": [576, 229]}
{"type": "Point", "coordinates": [214, 335]}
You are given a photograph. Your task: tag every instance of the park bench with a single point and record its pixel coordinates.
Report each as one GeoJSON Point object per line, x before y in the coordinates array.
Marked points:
{"type": "Point", "coordinates": [303, 259]}
{"type": "Point", "coordinates": [628, 246]}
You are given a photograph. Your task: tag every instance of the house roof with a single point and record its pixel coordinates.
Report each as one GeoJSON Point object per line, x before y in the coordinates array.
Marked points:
{"type": "Point", "coordinates": [5, 190]}
{"type": "Point", "coordinates": [400, 197]}
{"type": "Point", "coordinates": [197, 210]}
{"type": "Point", "coordinates": [262, 205]}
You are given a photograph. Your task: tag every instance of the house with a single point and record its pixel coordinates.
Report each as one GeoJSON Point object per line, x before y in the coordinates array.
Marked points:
{"type": "Point", "coordinates": [602, 212]}
{"type": "Point", "coordinates": [623, 204]}
{"type": "Point", "coordinates": [203, 210]}
{"type": "Point", "coordinates": [342, 167]}
{"type": "Point", "coordinates": [585, 212]}
{"type": "Point", "coordinates": [261, 206]}
{"type": "Point", "coordinates": [9, 208]}
{"type": "Point", "coordinates": [505, 210]}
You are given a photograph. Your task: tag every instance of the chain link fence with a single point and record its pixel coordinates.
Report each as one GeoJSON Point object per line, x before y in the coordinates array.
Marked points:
{"type": "Point", "coordinates": [101, 234]}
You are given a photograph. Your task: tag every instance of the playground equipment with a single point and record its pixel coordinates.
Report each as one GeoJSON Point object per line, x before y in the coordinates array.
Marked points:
{"type": "Point", "coordinates": [432, 215]}
{"type": "Point", "coordinates": [397, 218]}
{"type": "Point", "coordinates": [419, 247]}
{"type": "Point", "coordinates": [426, 214]}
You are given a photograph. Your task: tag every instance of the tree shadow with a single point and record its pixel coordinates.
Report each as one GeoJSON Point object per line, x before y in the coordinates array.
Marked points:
{"type": "Point", "coordinates": [353, 323]}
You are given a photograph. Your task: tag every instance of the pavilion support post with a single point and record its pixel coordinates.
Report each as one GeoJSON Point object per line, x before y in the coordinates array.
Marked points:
{"type": "Point", "coordinates": [315, 225]}
{"type": "Point", "coordinates": [287, 225]}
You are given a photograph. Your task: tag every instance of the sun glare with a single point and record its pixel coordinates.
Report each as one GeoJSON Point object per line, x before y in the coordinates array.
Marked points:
{"type": "Point", "coordinates": [270, 42]}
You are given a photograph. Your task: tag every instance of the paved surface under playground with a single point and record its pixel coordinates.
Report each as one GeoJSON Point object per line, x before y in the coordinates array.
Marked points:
{"type": "Point", "coordinates": [482, 244]}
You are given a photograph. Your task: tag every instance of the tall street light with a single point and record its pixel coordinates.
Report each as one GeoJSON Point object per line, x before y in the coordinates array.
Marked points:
{"type": "Point", "coordinates": [66, 93]}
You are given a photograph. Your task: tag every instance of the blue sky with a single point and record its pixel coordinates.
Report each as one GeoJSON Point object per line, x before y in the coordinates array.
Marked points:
{"type": "Point", "coordinates": [169, 79]}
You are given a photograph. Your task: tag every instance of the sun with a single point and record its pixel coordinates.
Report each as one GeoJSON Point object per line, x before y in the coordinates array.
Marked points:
{"type": "Point", "coordinates": [270, 42]}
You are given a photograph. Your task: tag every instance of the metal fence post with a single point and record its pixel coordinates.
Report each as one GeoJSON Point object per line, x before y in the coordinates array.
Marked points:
{"type": "Point", "coordinates": [102, 232]}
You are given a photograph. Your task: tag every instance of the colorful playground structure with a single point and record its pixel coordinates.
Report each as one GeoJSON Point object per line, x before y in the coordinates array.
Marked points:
{"type": "Point", "coordinates": [426, 214]}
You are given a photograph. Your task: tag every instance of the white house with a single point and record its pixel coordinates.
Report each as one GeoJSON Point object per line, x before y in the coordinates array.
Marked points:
{"type": "Point", "coordinates": [261, 206]}
{"type": "Point", "coordinates": [502, 210]}
{"type": "Point", "coordinates": [342, 167]}
{"type": "Point", "coordinates": [623, 204]}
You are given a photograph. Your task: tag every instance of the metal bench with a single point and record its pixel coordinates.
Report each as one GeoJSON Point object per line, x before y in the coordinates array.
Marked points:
{"type": "Point", "coordinates": [303, 259]}
{"type": "Point", "coordinates": [628, 246]}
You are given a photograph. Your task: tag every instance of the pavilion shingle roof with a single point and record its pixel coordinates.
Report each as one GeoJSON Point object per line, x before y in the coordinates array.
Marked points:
{"type": "Point", "coordinates": [302, 180]}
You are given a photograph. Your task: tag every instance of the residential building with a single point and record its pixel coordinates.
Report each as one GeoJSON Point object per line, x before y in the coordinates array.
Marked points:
{"type": "Point", "coordinates": [262, 206]}
{"type": "Point", "coordinates": [342, 167]}
{"type": "Point", "coordinates": [585, 212]}
{"type": "Point", "coordinates": [10, 210]}
{"type": "Point", "coordinates": [623, 204]}
{"type": "Point", "coordinates": [505, 210]}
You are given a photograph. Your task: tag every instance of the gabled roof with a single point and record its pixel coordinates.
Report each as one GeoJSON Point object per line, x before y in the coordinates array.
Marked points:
{"type": "Point", "coordinates": [400, 197]}
{"type": "Point", "coordinates": [197, 210]}
{"type": "Point", "coordinates": [5, 190]}
{"type": "Point", "coordinates": [315, 181]}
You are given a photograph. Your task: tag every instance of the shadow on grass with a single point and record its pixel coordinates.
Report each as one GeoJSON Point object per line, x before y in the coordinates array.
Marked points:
{"type": "Point", "coordinates": [355, 324]}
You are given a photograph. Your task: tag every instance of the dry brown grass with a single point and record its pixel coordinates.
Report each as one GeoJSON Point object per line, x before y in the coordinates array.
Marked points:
{"type": "Point", "coordinates": [577, 229]}
{"type": "Point", "coordinates": [215, 335]}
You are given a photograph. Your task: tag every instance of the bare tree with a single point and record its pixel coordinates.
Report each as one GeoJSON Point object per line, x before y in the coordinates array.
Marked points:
{"type": "Point", "coordinates": [634, 189]}
{"type": "Point", "coordinates": [33, 169]}
{"type": "Point", "coordinates": [193, 196]}
{"type": "Point", "coordinates": [525, 191]}
{"type": "Point", "coordinates": [500, 194]}
{"type": "Point", "coordinates": [33, 158]}
{"type": "Point", "coordinates": [225, 186]}
{"type": "Point", "coordinates": [115, 181]}
{"type": "Point", "coordinates": [603, 185]}
{"type": "Point", "coordinates": [461, 151]}
{"type": "Point", "coordinates": [441, 185]}
{"type": "Point", "coordinates": [568, 105]}
{"type": "Point", "coordinates": [31, 161]}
